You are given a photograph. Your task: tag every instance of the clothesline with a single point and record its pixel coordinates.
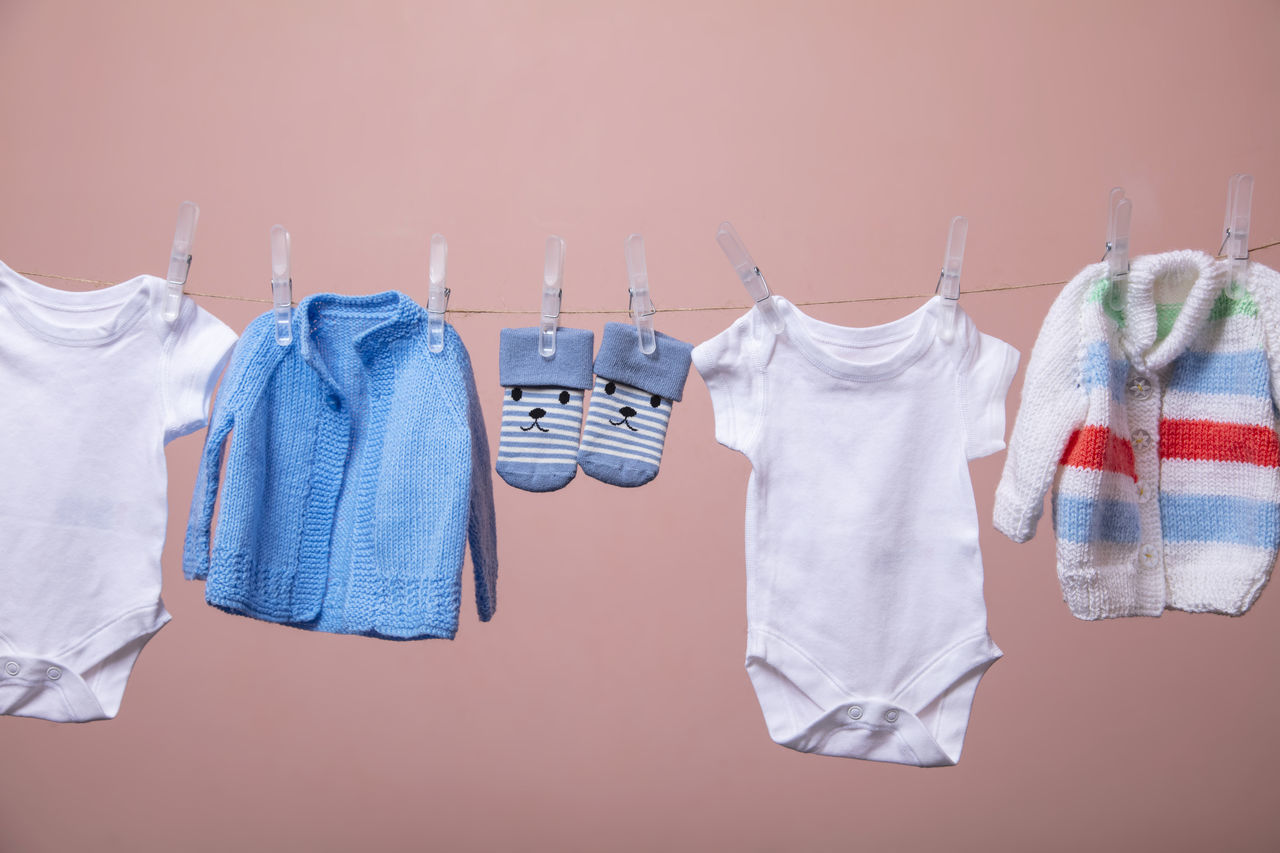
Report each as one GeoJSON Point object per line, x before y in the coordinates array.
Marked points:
{"type": "Point", "coordinates": [597, 311]}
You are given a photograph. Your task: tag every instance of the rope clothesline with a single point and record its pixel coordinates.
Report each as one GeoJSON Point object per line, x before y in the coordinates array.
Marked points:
{"type": "Point", "coordinates": [597, 311]}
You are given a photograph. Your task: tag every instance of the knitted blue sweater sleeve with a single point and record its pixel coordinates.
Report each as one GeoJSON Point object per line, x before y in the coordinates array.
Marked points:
{"type": "Point", "coordinates": [195, 551]}
{"type": "Point", "coordinates": [481, 524]}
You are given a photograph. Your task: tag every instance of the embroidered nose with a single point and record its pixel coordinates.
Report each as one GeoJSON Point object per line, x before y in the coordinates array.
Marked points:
{"type": "Point", "coordinates": [537, 413]}
{"type": "Point", "coordinates": [627, 412]}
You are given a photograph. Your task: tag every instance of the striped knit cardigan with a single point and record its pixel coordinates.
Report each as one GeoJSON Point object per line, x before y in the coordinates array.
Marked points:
{"type": "Point", "coordinates": [1152, 414]}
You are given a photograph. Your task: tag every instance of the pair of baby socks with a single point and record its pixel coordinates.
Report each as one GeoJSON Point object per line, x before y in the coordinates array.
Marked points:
{"type": "Point", "coordinates": [539, 447]}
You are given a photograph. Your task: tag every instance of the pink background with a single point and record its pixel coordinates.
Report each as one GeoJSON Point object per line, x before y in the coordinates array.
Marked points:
{"type": "Point", "coordinates": [606, 706]}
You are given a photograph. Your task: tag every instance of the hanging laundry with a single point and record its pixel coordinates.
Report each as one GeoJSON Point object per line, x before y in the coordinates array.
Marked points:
{"type": "Point", "coordinates": [1153, 420]}
{"type": "Point", "coordinates": [95, 384]}
{"type": "Point", "coordinates": [357, 472]}
{"type": "Point", "coordinates": [867, 630]}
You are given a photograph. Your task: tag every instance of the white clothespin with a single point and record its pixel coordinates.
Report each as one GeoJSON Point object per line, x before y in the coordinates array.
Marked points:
{"type": "Point", "coordinates": [438, 298]}
{"type": "Point", "coordinates": [180, 259]}
{"type": "Point", "coordinates": [949, 278]}
{"type": "Point", "coordinates": [640, 304]}
{"type": "Point", "coordinates": [552, 281]}
{"type": "Point", "coordinates": [750, 275]}
{"type": "Point", "coordinates": [1119, 212]}
{"type": "Point", "coordinates": [282, 285]}
{"type": "Point", "coordinates": [1235, 240]}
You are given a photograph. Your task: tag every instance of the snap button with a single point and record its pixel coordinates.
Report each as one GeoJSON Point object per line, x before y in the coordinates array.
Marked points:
{"type": "Point", "coordinates": [891, 715]}
{"type": "Point", "coordinates": [855, 712]}
{"type": "Point", "coordinates": [1145, 492]}
{"type": "Point", "coordinates": [1138, 388]}
{"type": "Point", "coordinates": [1148, 556]}
{"type": "Point", "coordinates": [54, 673]}
{"type": "Point", "coordinates": [1142, 439]}
{"type": "Point", "coordinates": [12, 668]}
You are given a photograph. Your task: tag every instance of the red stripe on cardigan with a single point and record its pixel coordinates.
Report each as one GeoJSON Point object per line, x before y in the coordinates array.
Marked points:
{"type": "Point", "coordinates": [1098, 448]}
{"type": "Point", "coordinates": [1219, 442]}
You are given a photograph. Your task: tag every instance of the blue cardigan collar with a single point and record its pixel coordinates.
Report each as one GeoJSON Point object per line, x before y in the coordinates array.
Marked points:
{"type": "Point", "coordinates": [394, 316]}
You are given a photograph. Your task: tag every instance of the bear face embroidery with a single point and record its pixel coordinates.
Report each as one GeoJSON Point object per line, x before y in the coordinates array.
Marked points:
{"type": "Point", "coordinates": [547, 409]}
{"type": "Point", "coordinates": [635, 407]}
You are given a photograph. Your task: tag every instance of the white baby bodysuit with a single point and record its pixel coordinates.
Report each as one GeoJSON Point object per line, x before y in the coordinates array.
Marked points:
{"type": "Point", "coordinates": [92, 386]}
{"type": "Point", "coordinates": [867, 629]}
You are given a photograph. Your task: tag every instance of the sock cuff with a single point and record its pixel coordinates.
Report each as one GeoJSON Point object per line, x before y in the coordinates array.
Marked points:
{"type": "Point", "coordinates": [520, 363]}
{"type": "Point", "coordinates": [661, 372]}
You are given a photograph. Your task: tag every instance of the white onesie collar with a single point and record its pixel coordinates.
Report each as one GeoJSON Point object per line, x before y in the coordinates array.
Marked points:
{"type": "Point", "coordinates": [38, 307]}
{"type": "Point", "coordinates": [821, 342]}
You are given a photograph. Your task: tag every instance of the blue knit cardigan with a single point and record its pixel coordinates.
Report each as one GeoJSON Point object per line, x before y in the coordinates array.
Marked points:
{"type": "Point", "coordinates": [358, 468]}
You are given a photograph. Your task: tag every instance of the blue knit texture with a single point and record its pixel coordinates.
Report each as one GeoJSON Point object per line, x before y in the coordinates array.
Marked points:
{"type": "Point", "coordinates": [357, 471]}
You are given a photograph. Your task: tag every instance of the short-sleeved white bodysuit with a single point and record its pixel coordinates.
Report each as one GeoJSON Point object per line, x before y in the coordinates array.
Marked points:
{"type": "Point", "coordinates": [92, 386]}
{"type": "Point", "coordinates": [867, 629]}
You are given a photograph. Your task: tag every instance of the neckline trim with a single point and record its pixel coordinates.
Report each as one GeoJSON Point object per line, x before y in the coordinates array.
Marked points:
{"type": "Point", "coordinates": [1141, 315]}
{"type": "Point", "coordinates": [819, 340]}
{"type": "Point", "coordinates": [32, 305]}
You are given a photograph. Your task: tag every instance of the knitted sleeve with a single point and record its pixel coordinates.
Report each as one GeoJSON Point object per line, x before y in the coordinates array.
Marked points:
{"type": "Point", "coordinates": [1053, 406]}
{"type": "Point", "coordinates": [195, 352]}
{"type": "Point", "coordinates": [195, 551]}
{"type": "Point", "coordinates": [1264, 287]}
{"type": "Point", "coordinates": [731, 365]}
{"type": "Point", "coordinates": [481, 524]}
{"type": "Point", "coordinates": [986, 372]}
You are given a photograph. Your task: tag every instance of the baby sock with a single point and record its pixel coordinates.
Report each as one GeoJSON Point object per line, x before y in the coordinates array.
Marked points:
{"type": "Point", "coordinates": [631, 404]}
{"type": "Point", "coordinates": [541, 407]}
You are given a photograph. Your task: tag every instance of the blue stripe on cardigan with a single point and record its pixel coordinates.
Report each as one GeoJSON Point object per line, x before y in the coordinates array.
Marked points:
{"type": "Point", "coordinates": [1088, 520]}
{"type": "Point", "coordinates": [1220, 518]}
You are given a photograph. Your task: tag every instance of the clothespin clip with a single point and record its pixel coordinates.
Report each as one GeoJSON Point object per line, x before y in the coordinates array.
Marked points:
{"type": "Point", "coordinates": [438, 298]}
{"type": "Point", "coordinates": [180, 259]}
{"type": "Point", "coordinates": [1235, 240]}
{"type": "Point", "coordinates": [750, 275]}
{"type": "Point", "coordinates": [1119, 212]}
{"type": "Point", "coordinates": [282, 285]}
{"type": "Point", "coordinates": [949, 278]}
{"type": "Point", "coordinates": [640, 305]}
{"type": "Point", "coordinates": [552, 281]}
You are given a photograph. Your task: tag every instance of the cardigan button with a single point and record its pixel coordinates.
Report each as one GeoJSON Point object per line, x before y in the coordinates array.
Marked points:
{"type": "Point", "coordinates": [333, 402]}
{"type": "Point", "coordinates": [12, 668]}
{"type": "Point", "coordinates": [1145, 492]}
{"type": "Point", "coordinates": [1141, 439]}
{"type": "Point", "coordinates": [1148, 557]}
{"type": "Point", "coordinates": [1138, 388]}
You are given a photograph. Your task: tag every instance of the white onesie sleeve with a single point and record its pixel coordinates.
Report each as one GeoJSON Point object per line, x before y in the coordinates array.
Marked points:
{"type": "Point", "coordinates": [197, 349]}
{"type": "Point", "coordinates": [730, 365]}
{"type": "Point", "coordinates": [988, 368]}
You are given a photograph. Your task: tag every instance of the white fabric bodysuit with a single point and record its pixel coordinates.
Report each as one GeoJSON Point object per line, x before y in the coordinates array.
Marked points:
{"type": "Point", "coordinates": [92, 386]}
{"type": "Point", "coordinates": [867, 629]}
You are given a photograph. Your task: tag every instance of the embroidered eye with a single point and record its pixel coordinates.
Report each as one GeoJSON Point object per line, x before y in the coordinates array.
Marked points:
{"type": "Point", "coordinates": [655, 401]}
{"type": "Point", "coordinates": [610, 387]}
{"type": "Point", "coordinates": [564, 397]}
{"type": "Point", "coordinates": [516, 394]}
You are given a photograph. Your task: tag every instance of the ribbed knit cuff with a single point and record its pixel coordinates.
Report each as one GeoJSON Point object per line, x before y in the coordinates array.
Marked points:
{"type": "Point", "coordinates": [1011, 515]}
{"type": "Point", "coordinates": [661, 372]}
{"type": "Point", "coordinates": [520, 363]}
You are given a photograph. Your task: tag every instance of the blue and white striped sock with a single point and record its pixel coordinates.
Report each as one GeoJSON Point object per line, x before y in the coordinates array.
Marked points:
{"type": "Point", "coordinates": [631, 405]}
{"type": "Point", "coordinates": [541, 407]}
{"type": "Point", "coordinates": [538, 443]}
{"type": "Point", "coordinates": [625, 433]}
